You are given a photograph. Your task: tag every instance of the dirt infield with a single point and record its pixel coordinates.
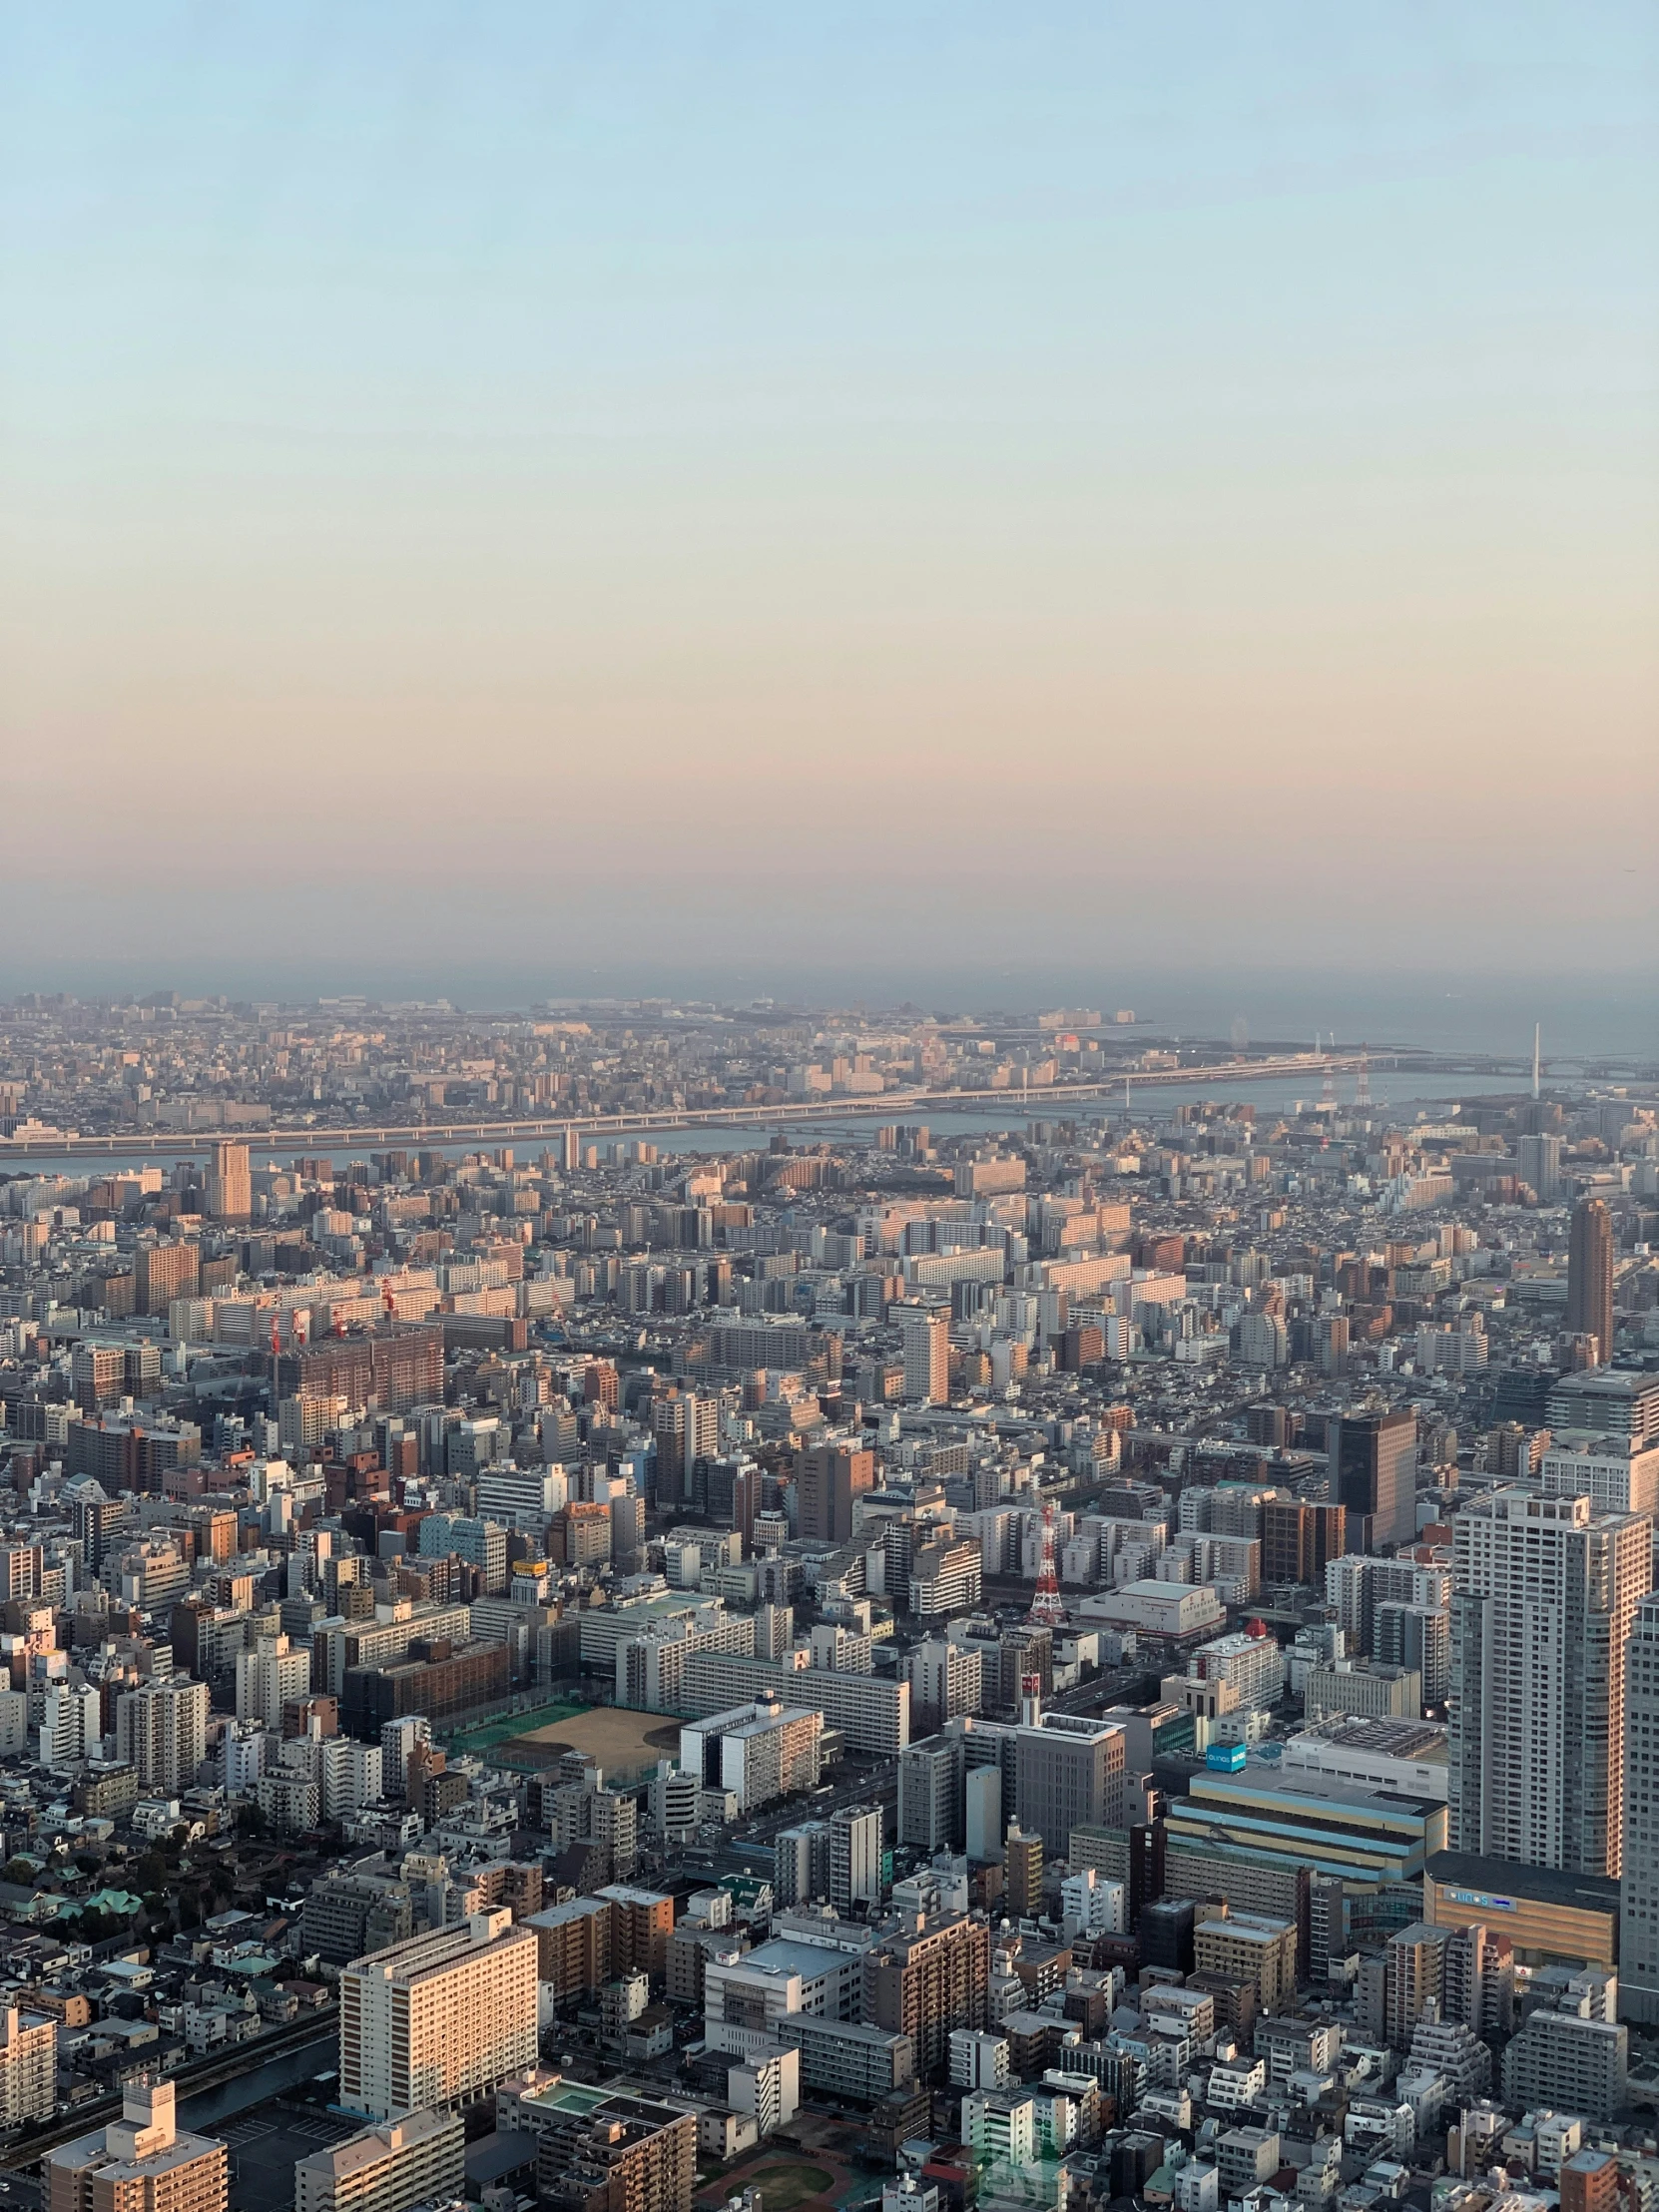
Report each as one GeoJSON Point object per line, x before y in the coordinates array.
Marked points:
{"type": "Point", "coordinates": [621, 1740]}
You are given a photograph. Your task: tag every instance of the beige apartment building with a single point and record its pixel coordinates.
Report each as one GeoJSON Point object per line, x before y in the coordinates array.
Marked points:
{"type": "Point", "coordinates": [439, 2019]}
{"type": "Point", "coordinates": [1249, 1946]}
{"type": "Point", "coordinates": [139, 2164]}
{"type": "Point", "coordinates": [28, 2066]}
{"type": "Point", "coordinates": [419, 2159]}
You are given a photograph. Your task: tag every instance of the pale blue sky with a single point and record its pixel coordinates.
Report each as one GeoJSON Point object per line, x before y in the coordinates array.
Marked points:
{"type": "Point", "coordinates": [904, 476]}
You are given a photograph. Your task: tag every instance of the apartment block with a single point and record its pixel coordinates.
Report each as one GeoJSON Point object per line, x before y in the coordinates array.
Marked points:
{"type": "Point", "coordinates": [438, 2020]}
{"type": "Point", "coordinates": [1544, 1600]}
{"type": "Point", "coordinates": [928, 1980]}
{"type": "Point", "coordinates": [1247, 1947]}
{"type": "Point", "coordinates": [142, 2162]}
{"type": "Point", "coordinates": [757, 1752]}
{"type": "Point", "coordinates": [417, 2159]}
{"type": "Point", "coordinates": [161, 1732]}
{"type": "Point", "coordinates": [28, 2066]}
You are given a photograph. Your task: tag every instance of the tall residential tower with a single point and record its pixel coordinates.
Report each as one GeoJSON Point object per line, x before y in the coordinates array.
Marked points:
{"type": "Point", "coordinates": [1545, 1595]}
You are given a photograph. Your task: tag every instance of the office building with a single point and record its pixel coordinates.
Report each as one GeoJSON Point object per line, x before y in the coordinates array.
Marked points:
{"type": "Point", "coordinates": [229, 1193]}
{"type": "Point", "coordinates": [1598, 1402]}
{"type": "Point", "coordinates": [161, 1732]}
{"type": "Point", "coordinates": [1069, 1772]}
{"type": "Point", "coordinates": [846, 2060]}
{"type": "Point", "coordinates": [831, 1477]}
{"type": "Point", "coordinates": [1363, 1688]}
{"type": "Point", "coordinates": [1300, 1540]}
{"type": "Point", "coordinates": [524, 1498]}
{"type": "Point", "coordinates": [1544, 1599]}
{"type": "Point", "coordinates": [439, 2019]}
{"type": "Point", "coordinates": [419, 2158]}
{"type": "Point", "coordinates": [1639, 1874]}
{"type": "Point", "coordinates": [756, 1752]}
{"type": "Point", "coordinates": [1374, 1461]}
{"type": "Point", "coordinates": [926, 1982]}
{"type": "Point", "coordinates": [28, 2066]}
{"type": "Point", "coordinates": [855, 1859]}
{"type": "Point", "coordinates": [1590, 1276]}
{"type": "Point", "coordinates": [142, 2162]}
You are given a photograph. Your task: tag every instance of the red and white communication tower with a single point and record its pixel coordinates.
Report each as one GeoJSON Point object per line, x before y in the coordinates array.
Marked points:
{"type": "Point", "coordinates": [1047, 1610]}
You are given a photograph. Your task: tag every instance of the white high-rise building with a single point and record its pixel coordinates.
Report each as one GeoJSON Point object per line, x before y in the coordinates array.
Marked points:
{"type": "Point", "coordinates": [947, 1678]}
{"type": "Point", "coordinates": [267, 1676]}
{"type": "Point", "coordinates": [1538, 1161]}
{"type": "Point", "coordinates": [70, 1727]}
{"type": "Point", "coordinates": [1639, 1879]}
{"type": "Point", "coordinates": [397, 1743]}
{"type": "Point", "coordinates": [925, 1330]}
{"type": "Point", "coordinates": [856, 1857]}
{"type": "Point", "coordinates": [1545, 1597]}
{"type": "Point", "coordinates": [1615, 1473]}
{"type": "Point", "coordinates": [524, 1498]}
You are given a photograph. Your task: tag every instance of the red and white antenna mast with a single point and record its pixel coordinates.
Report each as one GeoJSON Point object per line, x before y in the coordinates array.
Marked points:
{"type": "Point", "coordinates": [1047, 1607]}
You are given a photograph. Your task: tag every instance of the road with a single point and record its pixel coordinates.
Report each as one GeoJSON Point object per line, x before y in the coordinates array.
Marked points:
{"type": "Point", "coordinates": [1051, 1099]}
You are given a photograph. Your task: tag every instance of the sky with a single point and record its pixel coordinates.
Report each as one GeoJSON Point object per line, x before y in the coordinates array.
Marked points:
{"type": "Point", "coordinates": [889, 497]}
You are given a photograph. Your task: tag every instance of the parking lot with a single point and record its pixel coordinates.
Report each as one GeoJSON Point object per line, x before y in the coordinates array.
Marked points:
{"type": "Point", "coordinates": [266, 2144]}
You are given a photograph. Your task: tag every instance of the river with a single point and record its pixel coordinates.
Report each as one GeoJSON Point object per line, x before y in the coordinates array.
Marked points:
{"type": "Point", "coordinates": [1399, 1091]}
{"type": "Point", "coordinates": [277, 2077]}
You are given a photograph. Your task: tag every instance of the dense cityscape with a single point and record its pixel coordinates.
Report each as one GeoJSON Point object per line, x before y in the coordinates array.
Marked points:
{"type": "Point", "coordinates": [606, 1609]}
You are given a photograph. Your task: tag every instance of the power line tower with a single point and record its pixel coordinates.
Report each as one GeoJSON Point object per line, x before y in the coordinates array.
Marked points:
{"type": "Point", "coordinates": [1047, 1607]}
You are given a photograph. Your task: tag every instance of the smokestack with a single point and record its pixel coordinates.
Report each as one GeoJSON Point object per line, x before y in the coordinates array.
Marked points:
{"type": "Point", "coordinates": [1538, 1031]}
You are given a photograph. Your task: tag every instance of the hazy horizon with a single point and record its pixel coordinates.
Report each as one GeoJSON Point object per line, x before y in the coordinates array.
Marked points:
{"type": "Point", "coordinates": [1492, 1014]}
